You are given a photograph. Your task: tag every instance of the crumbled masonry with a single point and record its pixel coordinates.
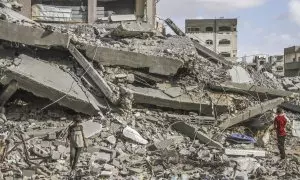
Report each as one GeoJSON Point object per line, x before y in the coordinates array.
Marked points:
{"type": "Point", "coordinates": [152, 106]}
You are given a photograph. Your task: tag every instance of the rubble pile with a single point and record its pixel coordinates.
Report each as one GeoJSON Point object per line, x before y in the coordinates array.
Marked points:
{"type": "Point", "coordinates": [152, 106]}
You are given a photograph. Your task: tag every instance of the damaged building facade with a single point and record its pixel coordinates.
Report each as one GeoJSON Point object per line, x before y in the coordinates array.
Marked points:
{"type": "Point", "coordinates": [89, 11]}
{"type": "Point", "coordinates": [292, 61]}
{"type": "Point", "coordinates": [219, 35]}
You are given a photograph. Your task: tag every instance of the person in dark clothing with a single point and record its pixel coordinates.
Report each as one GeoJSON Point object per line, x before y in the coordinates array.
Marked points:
{"type": "Point", "coordinates": [77, 141]}
{"type": "Point", "coordinates": [279, 125]}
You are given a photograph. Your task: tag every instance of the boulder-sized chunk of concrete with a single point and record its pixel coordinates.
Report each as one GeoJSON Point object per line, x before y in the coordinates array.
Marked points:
{"type": "Point", "coordinates": [91, 128]}
{"type": "Point", "coordinates": [132, 134]}
{"type": "Point", "coordinates": [49, 81]}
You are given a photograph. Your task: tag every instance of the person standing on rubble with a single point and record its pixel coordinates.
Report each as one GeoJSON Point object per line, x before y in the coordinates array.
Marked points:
{"type": "Point", "coordinates": [280, 125]}
{"type": "Point", "coordinates": [77, 141]}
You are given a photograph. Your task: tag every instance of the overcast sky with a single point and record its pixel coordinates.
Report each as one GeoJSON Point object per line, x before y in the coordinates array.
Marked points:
{"type": "Point", "coordinates": [264, 26]}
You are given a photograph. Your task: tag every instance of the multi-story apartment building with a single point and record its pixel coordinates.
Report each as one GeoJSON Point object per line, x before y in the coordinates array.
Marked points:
{"type": "Point", "coordinates": [292, 61]}
{"type": "Point", "coordinates": [219, 35]}
{"type": "Point", "coordinates": [89, 11]}
{"type": "Point", "coordinates": [277, 64]}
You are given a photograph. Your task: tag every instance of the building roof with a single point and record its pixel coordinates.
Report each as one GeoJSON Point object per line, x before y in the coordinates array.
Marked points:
{"type": "Point", "coordinates": [292, 49]}
{"type": "Point", "coordinates": [232, 21]}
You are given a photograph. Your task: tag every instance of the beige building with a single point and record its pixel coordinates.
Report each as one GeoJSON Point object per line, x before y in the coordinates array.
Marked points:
{"type": "Point", "coordinates": [89, 11]}
{"type": "Point", "coordinates": [292, 61]}
{"type": "Point", "coordinates": [219, 35]}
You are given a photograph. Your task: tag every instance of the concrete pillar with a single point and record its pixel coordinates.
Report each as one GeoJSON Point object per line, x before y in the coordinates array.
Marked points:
{"type": "Point", "coordinates": [26, 9]}
{"type": "Point", "coordinates": [140, 9]}
{"type": "Point", "coordinates": [151, 11]}
{"type": "Point", "coordinates": [92, 11]}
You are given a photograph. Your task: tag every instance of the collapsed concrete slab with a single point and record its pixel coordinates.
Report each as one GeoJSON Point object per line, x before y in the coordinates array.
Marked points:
{"type": "Point", "coordinates": [251, 112]}
{"type": "Point", "coordinates": [49, 81]}
{"type": "Point", "coordinates": [191, 132]}
{"type": "Point", "coordinates": [33, 36]}
{"type": "Point", "coordinates": [290, 107]}
{"type": "Point", "coordinates": [185, 102]}
{"type": "Point", "coordinates": [243, 88]}
{"type": "Point", "coordinates": [8, 91]}
{"type": "Point", "coordinates": [112, 57]}
{"type": "Point", "coordinates": [245, 152]}
{"type": "Point", "coordinates": [95, 76]}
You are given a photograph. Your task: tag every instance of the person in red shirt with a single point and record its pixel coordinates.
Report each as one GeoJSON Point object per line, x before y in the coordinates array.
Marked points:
{"type": "Point", "coordinates": [279, 125]}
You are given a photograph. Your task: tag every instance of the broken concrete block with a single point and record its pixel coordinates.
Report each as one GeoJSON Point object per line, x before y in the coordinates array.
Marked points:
{"type": "Point", "coordinates": [49, 81]}
{"type": "Point", "coordinates": [108, 167]}
{"type": "Point", "coordinates": [106, 173]}
{"type": "Point", "coordinates": [40, 152]}
{"type": "Point", "coordinates": [91, 128]}
{"type": "Point", "coordinates": [111, 139]}
{"type": "Point", "coordinates": [51, 136]}
{"type": "Point", "coordinates": [62, 149]}
{"type": "Point", "coordinates": [55, 155]}
{"type": "Point", "coordinates": [133, 29]}
{"type": "Point", "coordinates": [251, 112]}
{"type": "Point", "coordinates": [28, 172]}
{"type": "Point", "coordinates": [111, 57]}
{"type": "Point", "coordinates": [243, 88]}
{"type": "Point", "coordinates": [191, 132]}
{"type": "Point", "coordinates": [132, 134]}
{"type": "Point", "coordinates": [174, 92]}
{"type": "Point", "coordinates": [35, 36]}
{"type": "Point", "coordinates": [100, 157]}
{"type": "Point", "coordinates": [184, 102]}
{"type": "Point", "coordinates": [245, 152]}
{"type": "Point", "coordinates": [287, 83]}
{"type": "Point", "coordinates": [240, 75]}
{"type": "Point", "coordinates": [184, 152]}
{"type": "Point", "coordinates": [166, 143]}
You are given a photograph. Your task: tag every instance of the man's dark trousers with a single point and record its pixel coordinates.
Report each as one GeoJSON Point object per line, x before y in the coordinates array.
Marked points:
{"type": "Point", "coordinates": [281, 141]}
